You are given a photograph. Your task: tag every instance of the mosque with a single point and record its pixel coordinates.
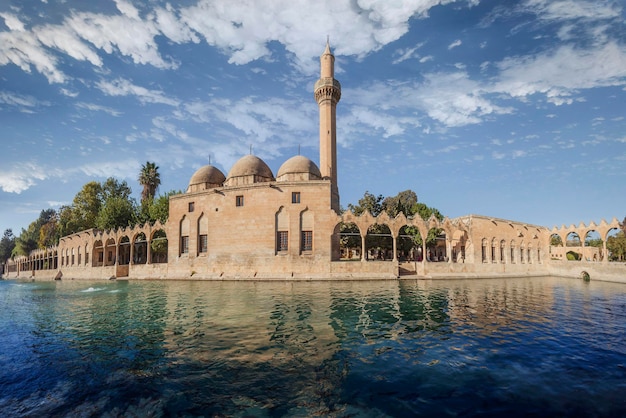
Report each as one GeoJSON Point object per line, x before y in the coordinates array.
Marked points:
{"type": "Point", "coordinates": [253, 225]}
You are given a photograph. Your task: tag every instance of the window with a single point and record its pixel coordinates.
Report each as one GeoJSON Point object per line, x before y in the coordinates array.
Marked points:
{"type": "Point", "coordinates": [184, 245]}
{"type": "Point", "coordinates": [239, 201]}
{"type": "Point", "coordinates": [283, 240]}
{"type": "Point", "coordinates": [295, 197]}
{"type": "Point", "coordinates": [203, 244]}
{"type": "Point", "coordinates": [307, 240]}
{"type": "Point", "coordinates": [191, 206]}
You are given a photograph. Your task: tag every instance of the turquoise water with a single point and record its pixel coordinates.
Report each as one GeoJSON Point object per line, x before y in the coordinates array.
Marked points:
{"type": "Point", "coordinates": [499, 347]}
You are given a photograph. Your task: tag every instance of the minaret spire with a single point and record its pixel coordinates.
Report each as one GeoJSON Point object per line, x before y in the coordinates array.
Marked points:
{"type": "Point", "coordinates": [327, 95]}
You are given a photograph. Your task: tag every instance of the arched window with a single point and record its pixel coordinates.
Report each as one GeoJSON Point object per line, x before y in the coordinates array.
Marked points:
{"type": "Point", "coordinates": [184, 236]}
{"type": "Point", "coordinates": [158, 247]}
{"type": "Point", "coordinates": [306, 231]}
{"type": "Point", "coordinates": [282, 231]}
{"type": "Point", "coordinates": [484, 250]}
{"type": "Point", "coordinates": [203, 234]}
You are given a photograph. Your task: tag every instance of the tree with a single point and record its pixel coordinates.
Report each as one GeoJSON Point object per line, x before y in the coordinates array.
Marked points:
{"type": "Point", "coordinates": [616, 245]}
{"type": "Point", "coordinates": [150, 179]}
{"type": "Point", "coordinates": [555, 240]}
{"type": "Point", "coordinates": [49, 234]}
{"type": "Point", "coordinates": [114, 188]}
{"type": "Point", "coordinates": [116, 212]}
{"type": "Point", "coordinates": [368, 202]}
{"type": "Point", "coordinates": [85, 207]}
{"type": "Point", "coordinates": [402, 202]}
{"type": "Point", "coordinates": [7, 243]}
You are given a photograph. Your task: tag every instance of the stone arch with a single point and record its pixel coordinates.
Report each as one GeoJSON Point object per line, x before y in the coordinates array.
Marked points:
{"type": "Point", "coordinates": [485, 251]}
{"type": "Point", "coordinates": [614, 245]}
{"type": "Point", "coordinates": [184, 228]}
{"type": "Point", "coordinates": [98, 254]}
{"type": "Point", "coordinates": [572, 239]}
{"type": "Point", "coordinates": [307, 223]}
{"type": "Point", "coordinates": [350, 241]}
{"type": "Point", "coordinates": [436, 250]}
{"type": "Point", "coordinates": [458, 245]}
{"type": "Point", "coordinates": [110, 252]}
{"type": "Point", "coordinates": [379, 242]}
{"type": "Point", "coordinates": [502, 251]}
{"type": "Point", "coordinates": [593, 245]}
{"type": "Point", "coordinates": [409, 242]}
{"type": "Point", "coordinates": [140, 249]}
{"type": "Point", "coordinates": [282, 231]}
{"type": "Point", "coordinates": [158, 246]}
{"type": "Point", "coordinates": [203, 234]}
{"type": "Point", "coordinates": [123, 253]}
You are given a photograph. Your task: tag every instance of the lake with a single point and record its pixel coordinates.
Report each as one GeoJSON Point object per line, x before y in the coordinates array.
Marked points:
{"type": "Point", "coordinates": [480, 347]}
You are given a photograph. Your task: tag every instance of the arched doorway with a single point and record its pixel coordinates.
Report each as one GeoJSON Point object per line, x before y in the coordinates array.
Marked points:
{"type": "Point", "coordinates": [379, 243]}
{"type": "Point", "coordinates": [350, 245]}
{"type": "Point", "coordinates": [158, 247]}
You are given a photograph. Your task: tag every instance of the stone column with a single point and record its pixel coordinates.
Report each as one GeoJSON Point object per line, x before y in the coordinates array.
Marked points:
{"type": "Point", "coordinates": [363, 247]}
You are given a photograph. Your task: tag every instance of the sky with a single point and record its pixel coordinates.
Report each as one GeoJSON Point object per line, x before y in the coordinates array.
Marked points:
{"type": "Point", "coordinates": [510, 109]}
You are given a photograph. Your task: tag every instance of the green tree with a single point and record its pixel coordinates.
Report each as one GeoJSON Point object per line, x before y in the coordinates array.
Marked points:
{"type": "Point", "coordinates": [114, 188]}
{"type": "Point", "coordinates": [616, 245]}
{"type": "Point", "coordinates": [368, 202]}
{"type": "Point", "coordinates": [116, 212]}
{"type": "Point", "coordinates": [402, 202]}
{"type": "Point", "coordinates": [49, 233]}
{"type": "Point", "coordinates": [7, 243]}
{"type": "Point", "coordinates": [30, 238]}
{"type": "Point", "coordinates": [85, 207]}
{"type": "Point", "coordinates": [555, 240]}
{"type": "Point", "coordinates": [150, 180]}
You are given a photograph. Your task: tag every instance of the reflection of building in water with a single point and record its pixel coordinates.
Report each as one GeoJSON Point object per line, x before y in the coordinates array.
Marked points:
{"type": "Point", "coordinates": [253, 224]}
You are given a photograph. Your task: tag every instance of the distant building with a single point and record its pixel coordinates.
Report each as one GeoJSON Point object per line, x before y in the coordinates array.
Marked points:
{"type": "Point", "coordinates": [252, 224]}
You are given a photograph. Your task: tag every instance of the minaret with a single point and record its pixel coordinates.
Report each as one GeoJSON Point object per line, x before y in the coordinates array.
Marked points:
{"type": "Point", "coordinates": [327, 94]}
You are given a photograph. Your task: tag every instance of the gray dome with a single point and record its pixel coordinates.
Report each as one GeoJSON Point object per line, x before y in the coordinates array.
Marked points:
{"type": "Point", "coordinates": [206, 177]}
{"type": "Point", "coordinates": [299, 168]}
{"type": "Point", "coordinates": [247, 166]}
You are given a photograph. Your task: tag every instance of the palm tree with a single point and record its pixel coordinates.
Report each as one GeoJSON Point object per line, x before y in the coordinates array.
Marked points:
{"type": "Point", "coordinates": [150, 179]}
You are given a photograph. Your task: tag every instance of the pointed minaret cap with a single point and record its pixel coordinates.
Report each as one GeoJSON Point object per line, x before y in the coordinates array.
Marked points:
{"type": "Point", "coordinates": [327, 61]}
{"type": "Point", "coordinates": [327, 50]}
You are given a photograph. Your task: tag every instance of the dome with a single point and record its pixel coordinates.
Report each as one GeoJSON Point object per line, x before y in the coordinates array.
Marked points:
{"type": "Point", "coordinates": [206, 177]}
{"type": "Point", "coordinates": [249, 169]}
{"type": "Point", "coordinates": [298, 168]}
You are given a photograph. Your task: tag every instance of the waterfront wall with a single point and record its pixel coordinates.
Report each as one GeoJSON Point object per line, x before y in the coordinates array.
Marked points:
{"type": "Point", "coordinates": [348, 270]}
{"type": "Point", "coordinates": [609, 272]}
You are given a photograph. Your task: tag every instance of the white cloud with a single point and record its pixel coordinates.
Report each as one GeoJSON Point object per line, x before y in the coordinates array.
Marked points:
{"type": "Point", "coordinates": [18, 100]}
{"type": "Point", "coordinates": [455, 44]}
{"type": "Point", "coordinates": [12, 22]}
{"type": "Point", "coordinates": [21, 177]}
{"type": "Point", "coordinates": [404, 54]}
{"type": "Point", "coordinates": [241, 30]}
{"type": "Point", "coordinates": [24, 50]}
{"type": "Point", "coordinates": [122, 168]}
{"type": "Point", "coordinates": [573, 9]}
{"type": "Point", "coordinates": [122, 87]}
{"type": "Point", "coordinates": [561, 73]}
{"type": "Point", "coordinates": [98, 108]}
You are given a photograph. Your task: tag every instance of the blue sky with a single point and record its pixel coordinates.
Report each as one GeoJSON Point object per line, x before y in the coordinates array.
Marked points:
{"type": "Point", "coordinates": [511, 109]}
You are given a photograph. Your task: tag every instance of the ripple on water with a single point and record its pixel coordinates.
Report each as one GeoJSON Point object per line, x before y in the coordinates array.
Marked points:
{"type": "Point", "coordinates": [515, 347]}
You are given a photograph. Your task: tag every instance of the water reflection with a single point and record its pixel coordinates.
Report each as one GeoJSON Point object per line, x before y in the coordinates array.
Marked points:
{"type": "Point", "coordinates": [390, 348]}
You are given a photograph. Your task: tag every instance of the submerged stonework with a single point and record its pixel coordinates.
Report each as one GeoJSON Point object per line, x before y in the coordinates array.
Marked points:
{"type": "Point", "coordinates": [250, 224]}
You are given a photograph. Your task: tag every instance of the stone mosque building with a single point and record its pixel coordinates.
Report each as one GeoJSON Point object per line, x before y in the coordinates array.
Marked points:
{"type": "Point", "coordinates": [252, 224]}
